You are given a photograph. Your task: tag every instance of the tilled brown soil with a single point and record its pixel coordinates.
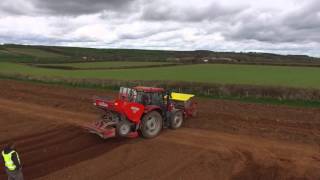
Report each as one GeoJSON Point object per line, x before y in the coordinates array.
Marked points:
{"type": "Point", "coordinates": [229, 140]}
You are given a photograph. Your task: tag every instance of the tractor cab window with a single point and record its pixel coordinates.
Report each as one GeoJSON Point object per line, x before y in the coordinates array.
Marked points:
{"type": "Point", "coordinates": [146, 98]}
{"type": "Point", "coordinates": [128, 94]}
{"type": "Point", "coordinates": [157, 98]}
{"type": "Point", "coordinates": [149, 98]}
{"type": "Point", "coordinates": [140, 97]}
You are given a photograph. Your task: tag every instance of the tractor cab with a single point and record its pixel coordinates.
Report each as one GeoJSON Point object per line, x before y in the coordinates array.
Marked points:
{"type": "Point", "coordinates": [143, 95]}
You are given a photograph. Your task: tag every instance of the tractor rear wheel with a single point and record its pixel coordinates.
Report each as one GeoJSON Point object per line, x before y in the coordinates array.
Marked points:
{"type": "Point", "coordinates": [151, 124]}
{"type": "Point", "coordinates": [176, 120]}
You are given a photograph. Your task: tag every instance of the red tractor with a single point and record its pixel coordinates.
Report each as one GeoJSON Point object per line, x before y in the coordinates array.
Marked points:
{"type": "Point", "coordinates": [143, 110]}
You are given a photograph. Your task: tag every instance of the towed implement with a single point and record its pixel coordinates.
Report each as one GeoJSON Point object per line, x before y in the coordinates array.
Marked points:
{"type": "Point", "coordinates": [141, 111]}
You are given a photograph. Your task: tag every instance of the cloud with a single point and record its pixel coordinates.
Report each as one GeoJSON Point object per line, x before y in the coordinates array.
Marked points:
{"type": "Point", "coordinates": [16, 7]}
{"type": "Point", "coordinates": [80, 7]}
{"type": "Point", "coordinates": [63, 7]}
{"type": "Point", "coordinates": [305, 18]}
{"type": "Point", "coordinates": [298, 25]}
{"type": "Point", "coordinates": [175, 11]}
{"type": "Point", "coordinates": [282, 26]}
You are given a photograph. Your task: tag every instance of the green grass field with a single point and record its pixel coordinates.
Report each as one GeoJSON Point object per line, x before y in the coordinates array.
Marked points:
{"type": "Point", "coordinates": [33, 52]}
{"type": "Point", "coordinates": [301, 77]}
{"type": "Point", "coordinates": [30, 55]}
{"type": "Point", "coordinates": [109, 64]}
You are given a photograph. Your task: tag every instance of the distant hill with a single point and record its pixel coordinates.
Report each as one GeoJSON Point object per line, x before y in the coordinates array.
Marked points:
{"type": "Point", "coordinates": [55, 54]}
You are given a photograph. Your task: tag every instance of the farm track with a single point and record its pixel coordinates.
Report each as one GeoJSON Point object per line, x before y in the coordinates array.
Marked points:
{"type": "Point", "coordinates": [229, 140]}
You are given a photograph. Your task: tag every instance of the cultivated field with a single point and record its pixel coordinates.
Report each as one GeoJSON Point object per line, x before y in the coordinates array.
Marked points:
{"type": "Point", "coordinates": [228, 140]}
{"type": "Point", "coordinates": [279, 76]}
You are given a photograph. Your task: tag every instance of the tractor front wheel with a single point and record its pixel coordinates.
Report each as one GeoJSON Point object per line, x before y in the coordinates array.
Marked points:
{"type": "Point", "coordinates": [123, 128]}
{"type": "Point", "coordinates": [151, 124]}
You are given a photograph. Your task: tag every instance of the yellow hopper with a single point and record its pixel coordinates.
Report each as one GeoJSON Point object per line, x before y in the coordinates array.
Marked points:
{"type": "Point", "coordinates": [181, 96]}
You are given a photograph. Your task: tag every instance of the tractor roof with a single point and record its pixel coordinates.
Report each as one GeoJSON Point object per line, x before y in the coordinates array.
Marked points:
{"type": "Point", "coordinates": [148, 89]}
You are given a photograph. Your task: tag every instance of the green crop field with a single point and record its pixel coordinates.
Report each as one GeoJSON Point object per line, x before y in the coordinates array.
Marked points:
{"type": "Point", "coordinates": [109, 64]}
{"type": "Point", "coordinates": [302, 77]}
{"type": "Point", "coordinates": [33, 52]}
{"type": "Point", "coordinates": [29, 55]}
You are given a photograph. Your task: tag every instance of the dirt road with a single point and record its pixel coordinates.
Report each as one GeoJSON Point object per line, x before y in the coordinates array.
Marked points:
{"type": "Point", "coordinates": [229, 140]}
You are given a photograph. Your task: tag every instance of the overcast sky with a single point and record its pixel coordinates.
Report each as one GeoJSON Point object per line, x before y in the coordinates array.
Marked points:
{"type": "Point", "coordinates": [278, 26]}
